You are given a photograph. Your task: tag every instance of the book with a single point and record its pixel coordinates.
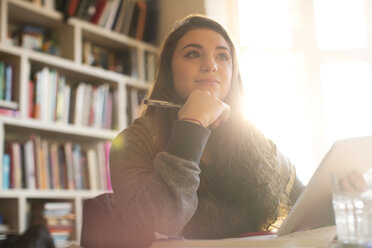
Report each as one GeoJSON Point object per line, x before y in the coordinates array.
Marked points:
{"type": "Point", "coordinates": [45, 175]}
{"type": "Point", "coordinates": [9, 112]}
{"type": "Point", "coordinates": [132, 29]}
{"type": "Point", "coordinates": [112, 13]}
{"type": "Point", "coordinates": [79, 104]}
{"type": "Point", "coordinates": [121, 16]}
{"type": "Point", "coordinates": [93, 169]}
{"type": "Point", "coordinates": [8, 82]}
{"type": "Point", "coordinates": [127, 17]}
{"type": "Point", "coordinates": [142, 6]}
{"type": "Point", "coordinates": [82, 8]}
{"type": "Point", "coordinates": [16, 176]}
{"type": "Point", "coordinates": [29, 164]}
{"type": "Point", "coordinates": [100, 6]}
{"type": "Point", "coordinates": [106, 11]}
{"type": "Point", "coordinates": [54, 166]}
{"type": "Point", "coordinates": [58, 205]}
{"type": "Point", "coordinates": [101, 161]}
{"type": "Point", "coordinates": [117, 13]}
{"type": "Point", "coordinates": [67, 104]}
{"type": "Point", "coordinates": [69, 165]}
{"type": "Point", "coordinates": [84, 169]}
{"type": "Point", "coordinates": [30, 98]}
{"type": "Point", "coordinates": [71, 7]}
{"type": "Point", "coordinates": [63, 178]}
{"type": "Point", "coordinates": [52, 101]}
{"type": "Point", "coordinates": [2, 80]}
{"type": "Point", "coordinates": [77, 166]}
{"type": "Point", "coordinates": [6, 171]}
{"type": "Point", "coordinates": [60, 100]}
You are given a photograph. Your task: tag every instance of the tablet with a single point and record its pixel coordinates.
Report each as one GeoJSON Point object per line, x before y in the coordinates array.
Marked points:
{"type": "Point", "coordinates": [313, 209]}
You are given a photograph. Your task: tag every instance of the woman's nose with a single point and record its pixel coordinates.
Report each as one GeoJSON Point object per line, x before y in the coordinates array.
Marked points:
{"type": "Point", "coordinates": [209, 65]}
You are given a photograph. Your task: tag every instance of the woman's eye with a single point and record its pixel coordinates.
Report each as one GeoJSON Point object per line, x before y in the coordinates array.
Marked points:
{"type": "Point", "coordinates": [223, 56]}
{"type": "Point", "coordinates": [192, 54]}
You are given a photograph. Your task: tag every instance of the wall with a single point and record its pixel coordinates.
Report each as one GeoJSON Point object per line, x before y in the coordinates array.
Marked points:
{"type": "Point", "coordinates": [172, 10]}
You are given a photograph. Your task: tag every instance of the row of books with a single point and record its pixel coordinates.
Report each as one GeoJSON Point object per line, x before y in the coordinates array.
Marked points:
{"type": "Point", "coordinates": [36, 38]}
{"type": "Point", "coordinates": [52, 98]}
{"type": "Point", "coordinates": [6, 81]}
{"type": "Point", "coordinates": [123, 61]}
{"type": "Point", "coordinates": [39, 163]}
{"type": "Point", "coordinates": [60, 221]}
{"type": "Point", "coordinates": [136, 18]}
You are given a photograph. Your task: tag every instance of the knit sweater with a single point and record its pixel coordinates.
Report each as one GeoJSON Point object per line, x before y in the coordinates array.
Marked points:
{"type": "Point", "coordinates": [158, 192]}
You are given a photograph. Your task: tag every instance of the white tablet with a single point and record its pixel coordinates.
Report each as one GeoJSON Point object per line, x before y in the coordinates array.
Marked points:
{"type": "Point", "coordinates": [313, 208]}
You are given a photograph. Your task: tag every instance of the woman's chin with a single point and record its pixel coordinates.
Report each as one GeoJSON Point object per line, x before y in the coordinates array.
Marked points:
{"type": "Point", "coordinates": [212, 88]}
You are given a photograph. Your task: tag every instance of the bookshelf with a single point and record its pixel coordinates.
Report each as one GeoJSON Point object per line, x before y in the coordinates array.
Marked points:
{"type": "Point", "coordinates": [37, 75]}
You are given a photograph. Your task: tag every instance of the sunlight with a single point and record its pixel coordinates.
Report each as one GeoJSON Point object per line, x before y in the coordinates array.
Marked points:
{"type": "Point", "coordinates": [274, 103]}
{"type": "Point", "coordinates": [347, 89]}
{"type": "Point", "coordinates": [264, 27]}
{"type": "Point", "coordinates": [340, 24]}
{"type": "Point", "coordinates": [282, 95]}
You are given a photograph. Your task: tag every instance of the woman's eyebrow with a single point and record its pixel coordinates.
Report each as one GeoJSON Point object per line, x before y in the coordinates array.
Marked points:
{"type": "Point", "coordinates": [223, 48]}
{"type": "Point", "coordinates": [198, 46]}
{"type": "Point", "coordinates": [193, 45]}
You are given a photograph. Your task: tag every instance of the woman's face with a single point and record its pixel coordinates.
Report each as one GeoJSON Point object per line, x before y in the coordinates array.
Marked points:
{"type": "Point", "coordinates": [202, 60]}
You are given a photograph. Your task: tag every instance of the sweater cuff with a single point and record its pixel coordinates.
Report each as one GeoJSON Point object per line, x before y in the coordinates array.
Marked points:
{"type": "Point", "coordinates": [187, 140]}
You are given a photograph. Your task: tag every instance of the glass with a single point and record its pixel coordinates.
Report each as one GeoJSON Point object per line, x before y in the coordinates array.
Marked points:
{"type": "Point", "coordinates": [353, 209]}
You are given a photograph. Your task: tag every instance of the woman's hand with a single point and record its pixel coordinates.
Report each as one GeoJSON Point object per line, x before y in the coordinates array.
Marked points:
{"type": "Point", "coordinates": [204, 107]}
{"type": "Point", "coordinates": [352, 182]}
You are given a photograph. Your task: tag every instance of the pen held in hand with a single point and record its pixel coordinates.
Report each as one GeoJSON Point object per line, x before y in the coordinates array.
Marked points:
{"type": "Point", "coordinates": [160, 103]}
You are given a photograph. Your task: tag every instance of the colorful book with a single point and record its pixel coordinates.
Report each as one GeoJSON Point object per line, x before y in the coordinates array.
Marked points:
{"type": "Point", "coordinates": [100, 6]}
{"type": "Point", "coordinates": [69, 166]}
{"type": "Point", "coordinates": [29, 165]}
{"type": "Point", "coordinates": [6, 171]}
{"type": "Point", "coordinates": [2, 80]}
{"type": "Point", "coordinates": [8, 82]}
{"type": "Point", "coordinates": [112, 13]}
{"type": "Point", "coordinates": [93, 169]}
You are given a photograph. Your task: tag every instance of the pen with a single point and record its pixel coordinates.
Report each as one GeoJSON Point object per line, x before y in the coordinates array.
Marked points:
{"type": "Point", "coordinates": [160, 103]}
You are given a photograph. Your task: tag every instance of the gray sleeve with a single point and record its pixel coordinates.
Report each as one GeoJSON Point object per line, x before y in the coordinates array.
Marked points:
{"type": "Point", "coordinates": [155, 194]}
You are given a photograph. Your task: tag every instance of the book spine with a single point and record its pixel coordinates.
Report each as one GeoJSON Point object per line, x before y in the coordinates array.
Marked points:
{"type": "Point", "coordinates": [6, 171]}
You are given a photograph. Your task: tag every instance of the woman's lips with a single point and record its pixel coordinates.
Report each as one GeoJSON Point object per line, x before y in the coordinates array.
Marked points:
{"type": "Point", "coordinates": [207, 81]}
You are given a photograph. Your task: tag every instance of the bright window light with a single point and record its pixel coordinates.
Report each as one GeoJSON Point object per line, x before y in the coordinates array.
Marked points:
{"type": "Point", "coordinates": [275, 103]}
{"type": "Point", "coordinates": [340, 24]}
{"type": "Point", "coordinates": [347, 90]}
{"type": "Point", "coordinates": [264, 23]}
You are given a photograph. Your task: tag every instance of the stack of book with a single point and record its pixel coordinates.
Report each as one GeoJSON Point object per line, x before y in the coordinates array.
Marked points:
{"type": "Point", "coordinates": [60, 220]}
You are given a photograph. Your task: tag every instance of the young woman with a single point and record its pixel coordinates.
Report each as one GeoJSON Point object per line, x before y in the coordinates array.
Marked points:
{"type": "Point", "coordinates": [201, 171]}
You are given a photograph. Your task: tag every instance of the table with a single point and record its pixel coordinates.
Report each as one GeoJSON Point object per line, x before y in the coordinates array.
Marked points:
{"type": "Point", "coordinates": [317, 238]}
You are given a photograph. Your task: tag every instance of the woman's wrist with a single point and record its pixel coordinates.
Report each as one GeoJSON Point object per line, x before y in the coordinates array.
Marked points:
{"type": "Point", "coordinates": [193, 120]}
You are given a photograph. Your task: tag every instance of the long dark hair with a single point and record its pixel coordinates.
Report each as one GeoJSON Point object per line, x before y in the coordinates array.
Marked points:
{"type": "Point", "coordinates": [236, 145]}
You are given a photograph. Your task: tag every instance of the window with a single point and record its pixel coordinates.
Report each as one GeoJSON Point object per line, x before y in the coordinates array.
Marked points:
{"type": "Point", "coordinates": [306, 73]}
{"type": "Point", "coordinates": [347, 89]}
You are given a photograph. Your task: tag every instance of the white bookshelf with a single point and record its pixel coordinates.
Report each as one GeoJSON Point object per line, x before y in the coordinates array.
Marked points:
{"type": "Point", "coordinates": [14, 203]}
